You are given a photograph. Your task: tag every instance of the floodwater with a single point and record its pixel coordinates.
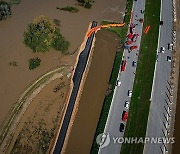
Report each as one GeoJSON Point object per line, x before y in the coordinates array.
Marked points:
{"type": "Point", "coordinates": [90, 105]}
{"type": "Point", "coordinates": [47, 106]}
{"type": "Point", "coordinates": [14, 80]}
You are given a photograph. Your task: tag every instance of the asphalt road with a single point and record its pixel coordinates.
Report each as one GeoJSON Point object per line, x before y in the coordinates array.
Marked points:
{"type": "Point", "coordinates": [160, 105]}
{"type": "Point", "coordinates": [76, 80]}
{"type": "Point", "coordinates": [121, 92]}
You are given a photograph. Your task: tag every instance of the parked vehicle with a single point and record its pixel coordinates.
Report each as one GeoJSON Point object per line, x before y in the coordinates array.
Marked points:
{"type": "Point", "coordinates": [121, 128]}
{"type": "Point", "coordinates": [134, 63]}
{"type": "Point", "coordinates": [118, 83]}
{"type": "Point", "coordinates": [123, 65]}
{"type": "Point", "coordinates": [161, 23]}
{"type": "Point", "coordinates": [170, 46]}
{"type": "Point", "coordinates": [169, 58]}
{"type": "Point", "coordinates": [129, 93]}
{"type": "Point", "coordinates": [162, 49]}
{"type": "Point", "coordinates": [124, 116]}
{"type": "Point", "coordinates": [126, 105]}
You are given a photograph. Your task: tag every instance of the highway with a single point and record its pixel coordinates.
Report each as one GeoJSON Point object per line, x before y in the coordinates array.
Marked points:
{"type": "Point", "coordinates": [160, 105]}
{"type": "Point", "coordinates": [76, 80]}
{"type": "Point", "coordinates": [121, 92]}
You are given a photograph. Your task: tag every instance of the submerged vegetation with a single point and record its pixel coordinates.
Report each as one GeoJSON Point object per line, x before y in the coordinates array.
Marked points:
{"type": "Point", "coordinates": [34, 63]}
{"type": "Point", "coordinates": [86, 3]}
{"type": "Point", "coordinates": [42, 34]}
{"type": "Point", "coordinates": [5, 10]}
{"type": "Point", "coordinates": [69, 9]}
{"type": "Point", "coordinates": [15, 1]}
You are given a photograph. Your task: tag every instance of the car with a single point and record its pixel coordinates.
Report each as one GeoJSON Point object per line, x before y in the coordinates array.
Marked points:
{"type": "Point", "coordinates": [121, 128]}
{"type": "Point", "coordinates": [162, 49]}
{"type": "Point", "coordinates": [124, 116]}
{"type": "Point", "coordinates": [123, 65]}
{"type": "Point", "coordinates": [169, 58]}
{"type": "Point", "coordinates": [170, 46]}
{"type": "Point", "coordinates": [118, 83]}
{"type": "Point", "coordinates": [126, 105]}
{"type": "Point", "coordinates": [134, 63]}
{"type": "Point", "coordinates": [129, 93]}
{"type": "Point", "coordinates": [161, 23]}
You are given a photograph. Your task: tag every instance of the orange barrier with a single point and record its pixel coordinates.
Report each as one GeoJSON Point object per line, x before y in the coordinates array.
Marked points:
{"type": "Point", "coordinates": [146, 30]}
{"type": "Point", "coordinates": [103, 26]}
{"type": "Point", "coordinates": [93, 30]}
{"type": "Point", "coordinates": [112, 25]}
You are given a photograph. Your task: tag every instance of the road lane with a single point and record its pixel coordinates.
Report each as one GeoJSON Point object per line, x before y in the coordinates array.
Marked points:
{"type": "Point", "coordinates": [127, 80]}
{"type": "Point", "coordinates": [158, 109]}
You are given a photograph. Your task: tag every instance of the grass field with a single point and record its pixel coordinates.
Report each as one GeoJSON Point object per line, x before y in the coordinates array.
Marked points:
{"type": "Point", "coordinates": [139, 108]}
{"type": "Point", "coordinates": [121, 32]}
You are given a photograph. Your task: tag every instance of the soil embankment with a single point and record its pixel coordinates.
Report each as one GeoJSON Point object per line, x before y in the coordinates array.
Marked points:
{"type": "Point", "coordinates": [176, 145]}
{"type": "Point", "coordinates": [93, 93]}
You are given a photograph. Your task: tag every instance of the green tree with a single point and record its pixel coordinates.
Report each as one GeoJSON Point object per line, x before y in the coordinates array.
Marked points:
{"type": "Point", "coordinates": [42, 34]}
{"type": "Point", "coordinates": [39, 34]}
{"type": "Point", "coordinates": [5, 10]}
{"type": "Point", "coordinates": [59, 43]}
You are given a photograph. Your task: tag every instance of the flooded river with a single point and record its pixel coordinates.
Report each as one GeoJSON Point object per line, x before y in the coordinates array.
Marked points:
{"type": "Point", "coordinates": [14, 80]}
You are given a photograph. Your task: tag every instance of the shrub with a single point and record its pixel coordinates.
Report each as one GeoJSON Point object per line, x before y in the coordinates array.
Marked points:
{"type": "Point", "coordinates": [69, 9]}
{"type": "Point", "coordinates": [15, 1]}
{"type": "Point", "coordinates": [34, 63]}
{"type": "Point", "coordinates": [5, 10]}
{"type": "Point", "coordinates": [86, 3]}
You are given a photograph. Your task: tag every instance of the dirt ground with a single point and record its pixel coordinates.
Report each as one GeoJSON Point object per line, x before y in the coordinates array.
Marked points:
{"type": "Point", "coordinates": [176, 145]}
{"type": "Point", "coordinates": [36, 129]}
{"type": "Point", "coordinates": [14, 80]}
{"type": "Point", "coordinates": [90, 105]}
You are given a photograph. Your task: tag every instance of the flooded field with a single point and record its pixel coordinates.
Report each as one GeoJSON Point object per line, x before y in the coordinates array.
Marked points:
{"type": "Point", "coordinates": [96, 84]}
{"type": "Point", "coordinates": [14, 80]}
{"type": "Point", "coordinates": [41, 119]}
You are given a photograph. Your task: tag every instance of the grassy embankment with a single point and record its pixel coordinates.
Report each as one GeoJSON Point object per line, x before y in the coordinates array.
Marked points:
{"type": "Point", "coordinates": [121, 32]}
{"type": "Point", "coordinates": [140, 103]}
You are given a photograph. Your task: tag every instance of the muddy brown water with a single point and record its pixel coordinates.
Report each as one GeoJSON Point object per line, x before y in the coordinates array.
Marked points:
{"type": "Point", "coordinates": [14, 80]}
{"type": "Point", "coordinates": [95, 87]}
{"type": "Point", "coordinates": [46, 106]}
